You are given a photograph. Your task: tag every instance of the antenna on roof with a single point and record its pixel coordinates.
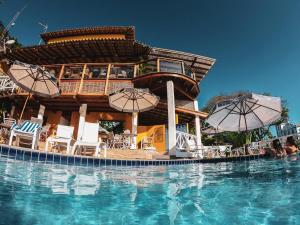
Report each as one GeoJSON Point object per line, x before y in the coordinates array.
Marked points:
{"type": "Point", "coordinates": [45, 28]}
{"type": "Point", "coordinates": [12, 23]}
{"type": "Point", "coordinates": [4, 39]}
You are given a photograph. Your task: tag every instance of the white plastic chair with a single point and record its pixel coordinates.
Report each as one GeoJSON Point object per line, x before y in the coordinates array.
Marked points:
{"type": "Point", "coordinates": [147, 144]}
{"type": "Point", "coordinates": [89, 138]}
{"type": "Point", "coordinates": [64, 134]}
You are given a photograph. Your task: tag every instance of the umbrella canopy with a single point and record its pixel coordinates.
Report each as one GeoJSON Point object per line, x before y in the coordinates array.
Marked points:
{"type": "Point", "coordinates": [34, 79]}
{"type": "Point", "coordinates": [246, 112]}
{"type": "Point", "coordinates": [133, 100]}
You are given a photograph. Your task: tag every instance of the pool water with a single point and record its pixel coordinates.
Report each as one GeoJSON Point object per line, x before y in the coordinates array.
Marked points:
{"type": "Point", "coordinates": [250, 192]}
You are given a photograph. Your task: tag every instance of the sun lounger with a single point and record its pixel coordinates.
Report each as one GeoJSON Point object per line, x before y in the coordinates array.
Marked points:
{"type": "Point", "coordinates": [89, 138]}
{"type": "Point", "coordinates": [27, 130]}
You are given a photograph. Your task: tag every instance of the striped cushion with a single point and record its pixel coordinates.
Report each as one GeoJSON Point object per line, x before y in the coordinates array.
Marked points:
{"type": "Point", "coordinates": [14, 126]}
{"type": "Point", "coordinates": [28, 127]}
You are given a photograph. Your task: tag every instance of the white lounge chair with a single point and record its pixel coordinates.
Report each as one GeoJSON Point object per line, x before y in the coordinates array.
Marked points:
{"type": "Point", "coordinates": [89, 138]}
{"type": "Point", "coordinates": [191, 149]}
{"type": "Point", "coordinates": [64, 134]}
{"type": "Point", "coordinates": [27, 130]}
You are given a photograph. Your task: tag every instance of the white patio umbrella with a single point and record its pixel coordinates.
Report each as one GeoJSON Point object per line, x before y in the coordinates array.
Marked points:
{"type": "Point", "coordinates": [133, 100]}
{"type": "Point", "coordinates": [33, 79]}
{"type": "Point", "coordinates": [247, 112]}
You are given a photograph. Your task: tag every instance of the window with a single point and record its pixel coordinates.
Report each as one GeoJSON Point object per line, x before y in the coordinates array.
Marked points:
{"type": "Point", "coordinates": [53, 70]}
{"type": "Point", "coordinates": [72, 72]}
{"type": "Point", "coordinates": [96, 72]}
{"type": "Point", "coordinates": [121, 72]}
{"type": "Point", "coordinates": [112, 126]}
{"type": "Point", "coordinates": [171, 66]}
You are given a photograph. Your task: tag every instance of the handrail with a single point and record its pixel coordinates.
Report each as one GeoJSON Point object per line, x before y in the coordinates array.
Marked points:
{"type": "Point", "coordinates": [155, 66]}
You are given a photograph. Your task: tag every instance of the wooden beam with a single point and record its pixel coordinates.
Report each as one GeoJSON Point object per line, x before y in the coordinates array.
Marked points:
{"type": "Point", "coordinates": [107, 79]}
{"type": "Point", "coordinates": [184, 93]}
{"type": "Point", "coordinates": [61, 73]}
{"type": "Point", "coordinates": [82, 78]}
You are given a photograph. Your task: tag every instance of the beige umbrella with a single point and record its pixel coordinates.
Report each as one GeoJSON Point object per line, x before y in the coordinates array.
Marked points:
{"type": "Point", "coordinates": [133, 100]}
{"type": "Point", "coordinates": [33, 79]}
{"type": "Point", "coordinates": [246, 112]}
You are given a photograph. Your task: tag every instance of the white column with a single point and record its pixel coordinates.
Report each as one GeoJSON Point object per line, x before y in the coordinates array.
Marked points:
{"type": "Point", "coordinates": [41, 113]}
{"type": "Point", "coordinates": [12, 111]}
{"type": "Point", "coordinates": [197, 124]}
{"type": "Point", "coordinates": [82, 114]}
{"type": "Point", "coordinates": [134, 121]}
{"type": "Point", "coordinates": [171, 119]}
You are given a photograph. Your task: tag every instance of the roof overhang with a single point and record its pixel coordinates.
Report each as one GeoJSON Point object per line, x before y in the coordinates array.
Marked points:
{"type": "Point", "coordinates": [127, 31]}
{"type": "Point", "coordinates": [101, 51]}
{"type": "Point", "coordinates": [199, 64]}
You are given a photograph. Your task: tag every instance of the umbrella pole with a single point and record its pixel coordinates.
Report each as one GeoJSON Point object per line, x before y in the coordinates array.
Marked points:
{"type": "Point", "coordinates": [24, 106]}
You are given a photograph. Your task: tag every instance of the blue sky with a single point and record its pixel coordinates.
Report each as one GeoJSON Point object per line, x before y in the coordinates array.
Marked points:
{"type": "Point", "coordinates": [256, 43]}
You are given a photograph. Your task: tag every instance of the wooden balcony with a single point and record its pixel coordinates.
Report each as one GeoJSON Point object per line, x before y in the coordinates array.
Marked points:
{"type": "Point", "coordinates": [96, 79]}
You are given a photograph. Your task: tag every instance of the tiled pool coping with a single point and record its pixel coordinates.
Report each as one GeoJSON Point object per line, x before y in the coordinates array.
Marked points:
{"type": "Point", "coordinates": [19, 153]}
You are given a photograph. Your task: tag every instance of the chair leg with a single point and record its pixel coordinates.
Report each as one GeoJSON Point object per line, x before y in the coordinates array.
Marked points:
{"type": "Point", "coordinates": [11, 137]}
{"type": "Point", "coordinates": [33, 142]}
{"type": "Point", "coordinates": [68, 147]}
{"type": "Point", "coordinates": [74, 149]}
{"type": "Point", "coordinates": [105, 151]}
{"type": "Point", "coordinates": [46, 147]}
{"type": "Point", "coordinates": [97, 151]}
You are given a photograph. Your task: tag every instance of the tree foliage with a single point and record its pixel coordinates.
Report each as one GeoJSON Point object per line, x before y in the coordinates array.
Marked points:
{"type": "Point", "coordinates": [17, 44]}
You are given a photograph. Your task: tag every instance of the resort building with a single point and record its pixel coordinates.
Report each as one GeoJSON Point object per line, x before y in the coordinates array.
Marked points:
{"type": "Point", "coordinates": [92, 63]}
{"type": "Point", "coordinates": [287, 128]}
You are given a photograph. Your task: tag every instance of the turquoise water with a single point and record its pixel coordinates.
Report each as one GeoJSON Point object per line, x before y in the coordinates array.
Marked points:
{"type": "Point", "coordinates": [253, 192]}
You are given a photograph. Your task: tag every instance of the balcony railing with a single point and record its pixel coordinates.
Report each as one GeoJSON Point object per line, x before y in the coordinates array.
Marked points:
{"type": "Point", "coordinates": [101, 78]}
{"type": "Point", "coordinates": [164, 65]}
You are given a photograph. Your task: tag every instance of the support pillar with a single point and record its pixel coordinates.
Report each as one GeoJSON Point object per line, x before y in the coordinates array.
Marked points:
{"type": "Point", "coordinates": [12, 111]}
{"type": "Point", "coordinates": [41, 113]}
{"type": "Point", "coordinates": [171, 119]}
{"type": "Point", "coordinates": [134, 121]}
{"type": "Point", "coordinates": [197, 124]}
{"type": "Point", "coordinates": [82, 114]}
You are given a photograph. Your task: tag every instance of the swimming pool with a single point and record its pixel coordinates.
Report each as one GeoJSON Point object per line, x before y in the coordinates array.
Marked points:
{"type": "Point", "coordinates": [246, 192]}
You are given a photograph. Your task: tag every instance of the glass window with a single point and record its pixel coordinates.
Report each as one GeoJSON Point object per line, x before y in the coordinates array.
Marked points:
{"type": "Point", "coordinates": [72, 72]}
{"type": "Point", "coordinates": [170, 66]}
{"type": "Point", "coordinates": [121, 72]}
{"type": "Point", "coordinates": [96, 72]}
{"type": "Point", "coordinates": [53, 70]}
{"type": "Point", "coordinates": [147, 67]}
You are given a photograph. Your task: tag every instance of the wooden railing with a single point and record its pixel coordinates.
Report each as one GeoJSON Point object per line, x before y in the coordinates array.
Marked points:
{"type": "Point", "coordinates": [116, 85]}
{"type": "Point", "coordinates": [69, 86]}
{"type": "Point", "coordinates": [103, 79]}
{"type": "Point", "coordinates": [94, 87]}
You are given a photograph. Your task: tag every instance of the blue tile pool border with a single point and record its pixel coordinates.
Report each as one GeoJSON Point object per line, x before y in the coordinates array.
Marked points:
{"type": "Point", "coordinates": [18, 153]}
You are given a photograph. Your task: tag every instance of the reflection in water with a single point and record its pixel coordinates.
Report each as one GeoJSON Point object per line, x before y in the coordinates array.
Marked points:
{"type": "Point", "coordinates": [257, 191]}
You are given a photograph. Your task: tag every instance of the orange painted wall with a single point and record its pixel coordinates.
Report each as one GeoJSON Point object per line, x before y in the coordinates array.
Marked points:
{"type": "Point", "coordinates": [159, 134]}
{"type": "Point", "coordinates": [53, 119]}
